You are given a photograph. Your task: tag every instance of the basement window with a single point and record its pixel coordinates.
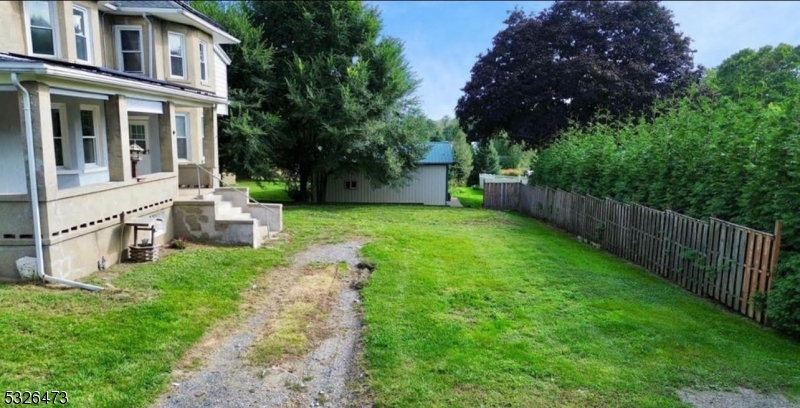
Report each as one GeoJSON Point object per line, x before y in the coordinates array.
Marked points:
{"type": "Point", "coordinates": [350, 185]}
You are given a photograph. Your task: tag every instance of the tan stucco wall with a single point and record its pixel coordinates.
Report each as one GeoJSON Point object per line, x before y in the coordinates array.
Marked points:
{"type": "Point", "coordinates": [8, 260]}
{"type": "Point", "coordinates": [16, 38]}
{"type": "Point", "coordinates": [109, 40]}
{"type": "Point", "coordinates": [83, 208]}
{"type": "Point", "coordinates": [12, 23]}
{"type": "Point", "coordinates": [193, 39]}
{"type": "Point", "coordinates": [78, 257]}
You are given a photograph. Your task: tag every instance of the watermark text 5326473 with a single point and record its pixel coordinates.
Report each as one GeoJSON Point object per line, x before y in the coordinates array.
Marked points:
{"type": "Point", "coordinates": [36, 398]}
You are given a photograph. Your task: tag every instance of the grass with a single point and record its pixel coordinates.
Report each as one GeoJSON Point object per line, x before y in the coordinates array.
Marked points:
{"type": "Point", "coordinates": [268, 192]}
{"type": "Point", "coordinates": [479, 308]}
{"type": "Point", "coordinates": [470, 197]}
{"type": "Point", "coordinates": [301, 321]}
{"type": "Point", "coordinates": [465, 308]}
{"type": "Point", "coordinates": [116, 348]}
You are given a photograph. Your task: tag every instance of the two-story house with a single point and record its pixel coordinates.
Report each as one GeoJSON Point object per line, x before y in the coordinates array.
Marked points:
{"type": "Point", "coordinates": [81, 84]}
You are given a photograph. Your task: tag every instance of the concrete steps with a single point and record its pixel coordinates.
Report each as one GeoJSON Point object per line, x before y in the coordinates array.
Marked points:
{"type": "Point", "coordinates": [227, 216]}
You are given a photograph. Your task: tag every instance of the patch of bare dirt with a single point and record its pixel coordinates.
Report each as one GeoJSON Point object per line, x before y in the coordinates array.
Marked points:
{"type": "Point", "coordinates": [296, 342]}
{"type": "Point", "coordinates": [744, 398]}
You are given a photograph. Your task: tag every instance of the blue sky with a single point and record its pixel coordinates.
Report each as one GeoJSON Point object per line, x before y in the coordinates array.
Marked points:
{"type": "Point", "coordinates": [443, 38]}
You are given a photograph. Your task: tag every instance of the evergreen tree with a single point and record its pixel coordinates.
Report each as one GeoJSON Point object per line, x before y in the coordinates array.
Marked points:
{"type": "Point", "coordinates": [486, 161]}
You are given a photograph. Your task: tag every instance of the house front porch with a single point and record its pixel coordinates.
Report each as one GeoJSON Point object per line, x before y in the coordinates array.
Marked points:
{"type": "Point", "coordinates": [86, 182]}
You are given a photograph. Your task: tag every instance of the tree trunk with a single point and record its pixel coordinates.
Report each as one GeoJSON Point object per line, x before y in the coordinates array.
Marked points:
{"type": "Point", "coordinates": [321, 180]}
{"type": "Point", "coordinates": [303, 194]}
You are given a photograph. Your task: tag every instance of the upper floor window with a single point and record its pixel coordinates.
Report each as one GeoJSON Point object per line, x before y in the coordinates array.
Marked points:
{"type": "Point", "coordinates": [177, 55]}
{"type": "Point", "coordinates": [41, 20]}
{"type": "Point", "coordinates": [83, 44]}
{"type": "Point", "coordinates": [203, 62]}
{"type": "Point", "coordinates": [130, 55]}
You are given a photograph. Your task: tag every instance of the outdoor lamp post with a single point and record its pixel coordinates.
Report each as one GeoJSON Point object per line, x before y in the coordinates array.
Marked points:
{"type": "Point", "coordinates": [136, 156]}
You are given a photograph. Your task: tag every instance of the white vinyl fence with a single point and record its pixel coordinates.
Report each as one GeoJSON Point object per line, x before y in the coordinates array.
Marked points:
{"type": "Point", "coordinates": [494, 178]}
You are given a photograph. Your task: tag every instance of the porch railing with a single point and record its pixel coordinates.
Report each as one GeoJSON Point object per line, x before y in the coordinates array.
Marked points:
{"type": "Point", "coordinates": [223, 184]}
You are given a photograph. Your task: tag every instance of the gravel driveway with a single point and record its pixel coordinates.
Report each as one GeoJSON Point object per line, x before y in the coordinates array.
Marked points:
{"type": "Point", "coordinates": [327, 376]}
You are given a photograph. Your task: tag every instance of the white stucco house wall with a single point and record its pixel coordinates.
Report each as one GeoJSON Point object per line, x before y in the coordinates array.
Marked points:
{"type": "Point", "coordinates": [428, 185]}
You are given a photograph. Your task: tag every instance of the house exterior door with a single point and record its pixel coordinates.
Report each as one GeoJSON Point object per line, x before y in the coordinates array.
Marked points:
{"type": "Point", "coordinates": [139, 134]}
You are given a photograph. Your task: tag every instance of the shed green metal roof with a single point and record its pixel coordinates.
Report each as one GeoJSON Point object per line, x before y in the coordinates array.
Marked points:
{"type": "Point", "coordinates": [438, 153]}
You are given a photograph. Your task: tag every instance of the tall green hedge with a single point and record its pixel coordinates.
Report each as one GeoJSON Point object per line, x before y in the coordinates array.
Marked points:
{"type": "Point", "coordinates": [698, 156]}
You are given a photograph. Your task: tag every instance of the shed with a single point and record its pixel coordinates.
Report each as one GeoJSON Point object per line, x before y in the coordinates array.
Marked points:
{"type": "Point", "coordinates": [428, 184]}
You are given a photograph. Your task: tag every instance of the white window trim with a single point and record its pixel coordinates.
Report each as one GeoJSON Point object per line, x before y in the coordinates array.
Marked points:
{"type": "Point", "coordinates": [53, 20]}
{"type": "Point", "coordinates": [118, 46]}
{"type": "Point", "coordinates": [138, 120]}
{"type": "Point", "coordinates": [183, 57]}
{"type": "Point", "coordinates": [203, 57]}
{"type": "Point", "coordinates": [62, 113]}
{"type": "Point", "coordinates": [87, 20]}
{"type": "Point", "coordinates": [188, 137]}
{"type": "Point", "coordinates": [99, 142]}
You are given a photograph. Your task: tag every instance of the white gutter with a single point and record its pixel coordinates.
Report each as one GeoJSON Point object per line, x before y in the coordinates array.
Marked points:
{"type": "Point", "coordinates": [116, 82]}
{"type": "Point", "coordinates": [152, 43]}
{"type": "Point", "coordinates": [178, 12]}
{"type": "Point", "coordinates": [37, 223]}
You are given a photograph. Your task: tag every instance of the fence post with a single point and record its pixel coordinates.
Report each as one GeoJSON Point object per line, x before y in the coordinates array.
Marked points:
{"type": "Point", "coordinates": [776, 250]}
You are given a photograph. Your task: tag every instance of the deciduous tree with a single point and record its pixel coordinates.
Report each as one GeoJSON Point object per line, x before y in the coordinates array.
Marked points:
{"type": "Point", "coordinates": [570, 61]}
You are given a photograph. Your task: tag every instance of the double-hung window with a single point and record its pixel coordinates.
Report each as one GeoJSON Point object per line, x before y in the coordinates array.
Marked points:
{"type": "Point", "coordinates": [89, 134]}
{"type": "Point", "coordinates": [60, 145]}
{"type": "Point", "coordinates": [130, 54]}
{"type": "Point", "coordinates": [203, 62]}
{"type": "Point", "coordinates": [41, 20]}
{"type": "Point", "coordinates": [177, 55]}
{"type": "Point", "coordinates": [182, 135]}
{"type": "Point", "coordinates": [83, 41]}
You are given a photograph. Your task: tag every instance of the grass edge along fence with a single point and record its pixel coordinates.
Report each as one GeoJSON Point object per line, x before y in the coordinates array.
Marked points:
{"type": "Point", "coordinates": [732, 264]}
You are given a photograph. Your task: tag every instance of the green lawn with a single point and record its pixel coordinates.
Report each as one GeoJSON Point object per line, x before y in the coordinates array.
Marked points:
{"type": "Point", "coordinates": [116, 348]}
{"type": "Point", "coordinates": [478, 308]}
{"type": "Point", "coordinates": [268, 192]}
{"type": "Point", "coordinates": [466, 308]}
{"type": "Point", "coordinates": [469, 197]}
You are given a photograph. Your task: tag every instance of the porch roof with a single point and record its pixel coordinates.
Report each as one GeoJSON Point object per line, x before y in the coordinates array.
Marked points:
{"type": "Point", "coordinates": [11, 62]}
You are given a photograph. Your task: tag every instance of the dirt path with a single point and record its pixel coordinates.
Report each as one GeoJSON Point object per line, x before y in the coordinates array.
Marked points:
{"type": "Point", "coordinates": [328, 375]}
{"type": "Point", "coordinates": [744, 398]}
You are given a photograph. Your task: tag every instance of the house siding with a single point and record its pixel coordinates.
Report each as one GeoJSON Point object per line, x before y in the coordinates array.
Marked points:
{"type": "Point", "coordinates": [14, 37]}
{"type": "Point", "coordinates": [428, 186]}
{"type": "Point", "coordinates": [221, 80]}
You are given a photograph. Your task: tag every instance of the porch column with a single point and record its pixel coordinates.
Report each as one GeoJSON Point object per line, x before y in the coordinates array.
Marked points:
{"type": "Point", "coordinates": [210, 146]}
{"type": "Point", "coordinates": [43, 145]}
{"type": "Point", "coordinates": [119, 145]}
{"type": "Point", "coordinates": [166, 136]}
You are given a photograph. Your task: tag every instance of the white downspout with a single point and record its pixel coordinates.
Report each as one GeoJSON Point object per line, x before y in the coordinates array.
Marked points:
{"type": "Point", "coordinates": [152, 43]}
{"type": "Point", "coordinates": [37, 223]}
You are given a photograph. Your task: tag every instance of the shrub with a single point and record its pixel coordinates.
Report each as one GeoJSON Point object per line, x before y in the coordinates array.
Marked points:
{"type": "Point", "coordinates": [178, 243]}
{"type": "Point", "coordinates": [783, 304]}
{"type": "Point", "coordinates": [699, 156]}
{"type": "Point", "coordinates": [511, 172]}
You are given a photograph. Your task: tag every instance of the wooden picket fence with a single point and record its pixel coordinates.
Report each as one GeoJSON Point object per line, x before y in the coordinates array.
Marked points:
{"type": "Point", "coordinates": [732, 264]}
